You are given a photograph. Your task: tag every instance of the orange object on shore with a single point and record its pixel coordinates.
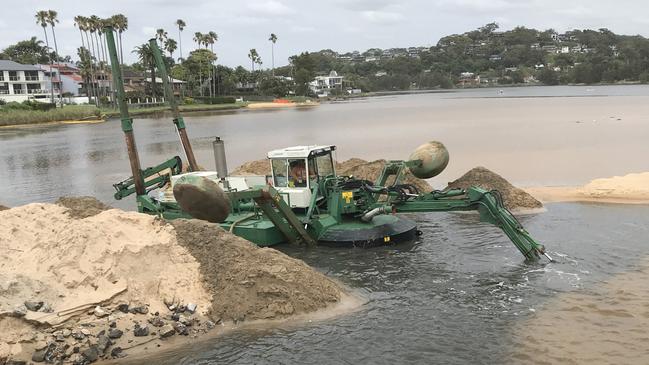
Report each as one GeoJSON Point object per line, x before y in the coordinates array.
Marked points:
{"type": "Point", "coordinates": [282, 101]}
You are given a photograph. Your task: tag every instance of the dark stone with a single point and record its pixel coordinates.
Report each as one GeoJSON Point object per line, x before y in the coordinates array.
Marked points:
{"type": "Point", "coordinates": [115, 333]}
{"type": "Point", "coordinates": [39, 356]}
{"type": "Point", "coordinates": [117, 352]}
{"type": "Point", "coordinates": [33, 306]}
{"type": "Point", "coordinates": [156, 322]}
{"type": "Point", "coordinates": [175, 316]}
{"type": "Point", "coordinates": [75, 349]}
{"type": "Point", "coordinates": [180, 328]}
{"type": "Point", "coordinates": [113, 324]}
{"type": "Point", "coordinates": [16, 362]}
{"type": "Point", "coordinates": [123, 308]}
{"type": "Point", "coordinates": [91, 353]}
{"type": "Point", "coordinates": [142, 309]}
{"type": "Point", "coordinates": [103, 343]}
{"type": "Point", "coordinates": [140, 331]}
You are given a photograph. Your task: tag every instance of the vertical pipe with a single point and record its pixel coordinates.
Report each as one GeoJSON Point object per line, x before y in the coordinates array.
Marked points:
{"type": "Point", "coordinates": [127, 121]}
{"type": "Point", "coordinates": [178, 120]}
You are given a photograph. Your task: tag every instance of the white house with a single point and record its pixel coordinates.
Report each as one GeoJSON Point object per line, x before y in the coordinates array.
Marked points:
{"type": "Point", "coordinates": [322, 85]}
{"type": "Point", "coordinates": [22, 82]}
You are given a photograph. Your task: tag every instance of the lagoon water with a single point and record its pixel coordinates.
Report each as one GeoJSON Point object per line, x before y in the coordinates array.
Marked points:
{"type": "Point", "coordinates": [462, 292]}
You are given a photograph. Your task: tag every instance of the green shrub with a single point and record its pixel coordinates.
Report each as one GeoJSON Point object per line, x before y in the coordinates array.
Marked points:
{"type": "Point", "coordinates": [218, 100]}
{"type": "Point", "coordinates": [2, 102]}
{"type": "Point", "coordinates": [188, 101]}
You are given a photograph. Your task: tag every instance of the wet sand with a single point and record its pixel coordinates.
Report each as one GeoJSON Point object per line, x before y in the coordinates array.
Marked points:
{"type": "Point", "coordinates": [609, 325]}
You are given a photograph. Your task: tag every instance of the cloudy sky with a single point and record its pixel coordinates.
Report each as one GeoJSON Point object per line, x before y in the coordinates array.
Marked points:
{"type": "Point", "coordinates": [303, 25]}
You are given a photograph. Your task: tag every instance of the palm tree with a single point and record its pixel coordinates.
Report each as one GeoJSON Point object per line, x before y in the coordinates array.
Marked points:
{"type": "Point", "coordinates": [85, 57]}
{"type": "Point", "coordinates": [161, 35]}
{"type": "Point", "coordinates": [52, 18]}
{"type": "Point", "coordinates": [254, 58]}
{"type": "Point", "coordinates": [145, 57]}
{"type": "Point", "coordinates": [273, 39]}
{"type": "Point", "coordinates": [170, 46]}
{"type": "Point", "coordinates": [211, 38]}
{"type": "Point", "coordinates": [181, 25]}
{"type": "Point", "coordinates": [83, 23]}
{"type": "Point", "coordinates": [120, 23]}
{"type": "Point", "coordinates": [42, 17]}
{"type": "Point", "coordinates": [199, 38]}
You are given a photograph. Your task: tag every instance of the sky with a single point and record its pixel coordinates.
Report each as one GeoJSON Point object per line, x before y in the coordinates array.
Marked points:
{"type": "Point", "coordinates": [303, 25]}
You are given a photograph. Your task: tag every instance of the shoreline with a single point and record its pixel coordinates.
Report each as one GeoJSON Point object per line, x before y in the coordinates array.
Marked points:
{"type": "Point", "coordinates": [350, 302]}
{"type": "Point", "coordinates": [185, 109]}
{"type": "Point", "coordinates": [575, 194]}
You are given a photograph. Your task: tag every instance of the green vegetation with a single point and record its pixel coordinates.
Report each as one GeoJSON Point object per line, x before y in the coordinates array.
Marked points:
{"type": "Point", "coordinates": [30, 112]}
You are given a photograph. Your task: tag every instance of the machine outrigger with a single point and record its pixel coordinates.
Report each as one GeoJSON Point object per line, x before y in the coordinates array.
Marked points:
{"type": "Point", "coordinates": [303, 200]}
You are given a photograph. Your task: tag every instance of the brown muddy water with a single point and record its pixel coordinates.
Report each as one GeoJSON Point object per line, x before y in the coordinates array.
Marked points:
{"type": "Point", "coordinates": [462, 292]}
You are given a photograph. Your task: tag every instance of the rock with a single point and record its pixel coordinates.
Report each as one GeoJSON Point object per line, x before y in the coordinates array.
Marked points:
{"type": "Point", "coordinates": [19, 311]}
{"type": "Point", "coordinates": [156, 321]}
{"type": "Point", "coordinates": [66, 333]}
{"type": "Point", "coordinates": [91, 354]}
{"type": "Point", "coordinates": [78, 335]}
{"type": "Point", "coordinates": [175, 316]}
{"type": "Point", "coordinates": [103, 343]}
{"type": "Point", "coordinates": [209, 324]}
{"type": "Point", "coordinates": [141, 309]}
{"type": "Point", "coordinates": [187, 321]}
{"type": "Point", "coordinates": [180, 328]}
{"type": "Point", "coordinates": [85, 331]}
{"type": "Point", "coordinates": [116, 352]}
{"type": "Point", "coordinates": [191, 307]}
{"type": "Point", "coordinates": [113, 324]}
{"type": "Point", "coordinates": [181, 309]}
{"type": "Point", "coordinates": [115, 333]}
{"type": "Point", "coordinates": [123, 308]}
{"type": "Point", "coordinates": [33, 306]}
{"type": "Point", "coordinates": [100, 312]}
{"type": "Point", "coordinates": [140, 331]}
{"type": "Point", "coordinates": [46, 308]}
{"type": "Point", "coordinates": [167, 331]}
{"type": "Point", "coordinates": [39, 356]}
{"type": "Point", "coordinates": [15, 362]}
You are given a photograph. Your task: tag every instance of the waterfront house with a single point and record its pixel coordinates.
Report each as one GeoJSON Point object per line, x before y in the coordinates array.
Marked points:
{"type": "Point", "coordinates": [20, 82]}
{"type": "Point", "coordinates": [323, 85]}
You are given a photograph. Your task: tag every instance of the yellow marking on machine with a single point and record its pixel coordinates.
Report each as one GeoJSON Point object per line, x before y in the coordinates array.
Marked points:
{"type": "Point", "coordinates": [348, 196]}
{"type": "Point", "coordinates": [386, 239]}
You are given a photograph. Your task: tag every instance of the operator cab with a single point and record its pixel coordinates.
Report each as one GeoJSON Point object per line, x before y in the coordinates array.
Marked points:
{"type": "Point", "coordinates": [297, 170]}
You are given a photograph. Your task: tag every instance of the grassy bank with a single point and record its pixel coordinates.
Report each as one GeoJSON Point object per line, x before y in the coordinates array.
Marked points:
{"type": "Point", "coordinates": [10, 117]}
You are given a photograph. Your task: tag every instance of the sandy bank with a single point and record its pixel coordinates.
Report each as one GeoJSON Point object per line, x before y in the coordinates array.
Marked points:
{"type": "Point", "coordinates": [81, 283]}
{"type": "Point", "coordinates": [273, 105]}
{"type": "Point", "coordinates": [627, 189]}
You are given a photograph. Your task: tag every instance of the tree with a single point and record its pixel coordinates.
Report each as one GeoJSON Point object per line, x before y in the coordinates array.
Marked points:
{"type": "Point", "coordinates": [42, 17]}
{"type": "Point", "coordinates": [211, 38]}
{"type": "Point", "coordinates": [85, 69]}
{"type": "Point", "coordinates": [27, 52]}
{"type": "Point", "coordinates": [120, 24]}
{"type": "Point", "coordinates": [170, 46]}
{"type": "Point", "coordinates": [273, 40]}
{"type": "Point", "coordinates": [274, 86]}
{"type": "Point", "coordinates": [254, 58]}
{"type": "Point", "coordinates": [304, 72]}
{"type": "Point", "coordinates": [161, 35]}
{"type": "Point", "coordinates": [145, 57]}
{"type": "Point", "coordinates": [181, 26]}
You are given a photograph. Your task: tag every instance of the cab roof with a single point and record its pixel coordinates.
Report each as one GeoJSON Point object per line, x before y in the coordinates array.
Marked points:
{"type": "Point", "coordinates": [300, 151]}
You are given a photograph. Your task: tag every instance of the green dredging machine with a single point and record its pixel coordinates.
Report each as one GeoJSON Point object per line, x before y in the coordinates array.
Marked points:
{"type": "Point", "coordinates": [303, 200]}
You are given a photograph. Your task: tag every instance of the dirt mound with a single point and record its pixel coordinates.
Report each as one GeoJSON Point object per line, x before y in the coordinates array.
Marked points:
{"type": "Point", "coordinates": [257, 167]}
{"type": "Point", "coordinates": [514, 198]}
{"type": "Point", "coordinates": [634, 186]}
{"type": "Point", "coordinates": [251, 282]}
{"type": "Point", "coordinates": [65, 279]}
{"type": "Point", "coordinates": [355, 166]}
{"type": "Point", "coordinates": [2, 207]}
{"type": "Point", "coordinates": [82, 206]}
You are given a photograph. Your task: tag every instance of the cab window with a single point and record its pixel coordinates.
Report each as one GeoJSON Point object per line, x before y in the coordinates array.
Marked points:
{"type": "Point", "coordinates": [325, 165]}
{"type": "Point", "coordinates": [297, 173]}
{"type": "Point", "coordinates": [280, 168]}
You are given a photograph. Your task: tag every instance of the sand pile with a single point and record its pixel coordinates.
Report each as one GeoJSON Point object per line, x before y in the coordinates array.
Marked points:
{"type": "Point", "coordinates": [68, 282]}
{"type": "Point", "coordinates": [634, 186]}
{"type": "Point", "coordinates": [2, 207]}
{"type": "Point", "coordinates": [355, 166]}
{"type": "Point", "coordinates": [252, 282]}
{"type": "Point", "coordinates": [514, 198]}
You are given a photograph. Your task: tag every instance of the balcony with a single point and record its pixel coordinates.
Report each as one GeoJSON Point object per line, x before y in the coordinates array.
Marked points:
{"type": "Point", "coordinates": [14, 78]}
{"type": "Point", "coordinates": [4, 92]}
{"type": "Point", "coordinates": [39, 91]}
{"type": "Point", "coordinates": [31, 78]}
